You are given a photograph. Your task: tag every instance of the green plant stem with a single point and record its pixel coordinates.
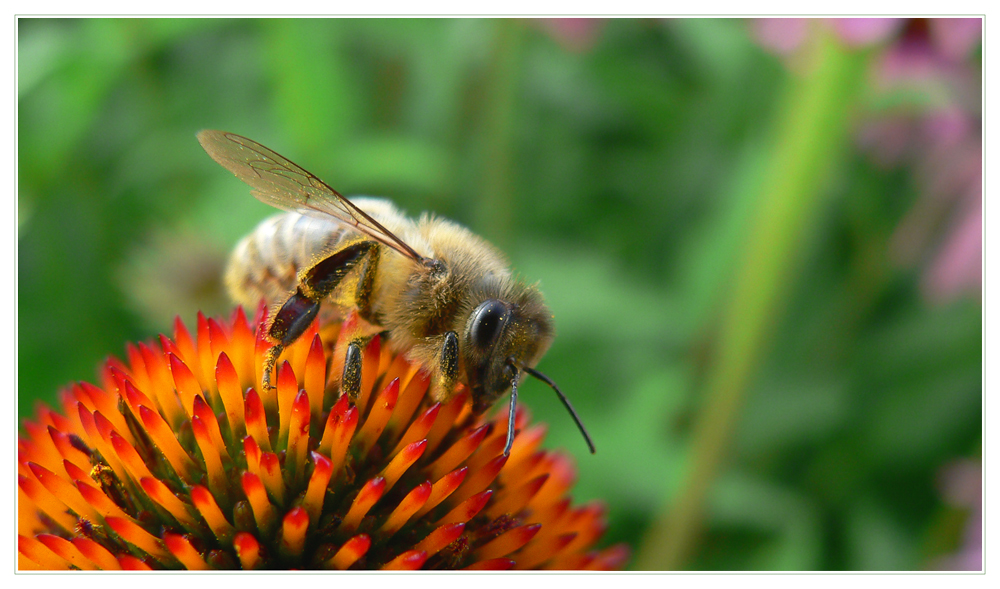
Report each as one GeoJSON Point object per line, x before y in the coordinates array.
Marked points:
{"type": "Point", "coordinates": [812, 130]}
{"type": "Point", "coordinates": [494, 212]}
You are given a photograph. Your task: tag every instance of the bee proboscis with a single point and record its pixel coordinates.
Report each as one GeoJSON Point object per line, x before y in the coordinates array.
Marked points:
{"type": "Point", "coordinates": [440, 293]}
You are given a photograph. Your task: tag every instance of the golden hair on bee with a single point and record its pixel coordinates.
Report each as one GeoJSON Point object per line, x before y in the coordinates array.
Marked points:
{"type": "Point", "coordinates": [439, 293]}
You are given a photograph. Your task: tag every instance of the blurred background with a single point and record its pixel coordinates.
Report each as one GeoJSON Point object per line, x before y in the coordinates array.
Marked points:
{"type": "Point", "coordinates": [760, 239]}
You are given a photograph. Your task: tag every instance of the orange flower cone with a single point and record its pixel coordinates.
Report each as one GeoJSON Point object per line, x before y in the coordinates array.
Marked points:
{"type": "Point", "coordinates": [178, 461]}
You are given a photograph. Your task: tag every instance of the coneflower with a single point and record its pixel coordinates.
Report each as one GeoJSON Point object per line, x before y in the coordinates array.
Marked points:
{"type": "Point", "coordinates": [178, 461]}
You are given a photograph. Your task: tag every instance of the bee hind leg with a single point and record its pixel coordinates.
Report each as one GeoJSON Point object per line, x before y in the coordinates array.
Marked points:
{"type": "Point", "coordinates": [290, 322]}
{"type": "Point", "coordinates": [298, 312]}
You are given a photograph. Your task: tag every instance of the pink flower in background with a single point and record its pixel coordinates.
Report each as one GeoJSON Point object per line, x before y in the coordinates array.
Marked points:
{"type": "Point", "coordinates": [574, 34]}
{"type": "Point", "coordinates": [859, 32]}
{"type": "Point", "coordinates": [784, 36]}
{"type": "Point", "coordinates": [962, 484]}
{"type": "Point", "coordinates": [955, 37]}
{"type": "Point", "coordinates": [780, 35]}
{"type": "Point", "coordinates": [929, 86]}
{"type": "Point", "coordinates": [939, 135]}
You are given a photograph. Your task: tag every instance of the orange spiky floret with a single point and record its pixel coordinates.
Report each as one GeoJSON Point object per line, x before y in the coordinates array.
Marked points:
{"type": "Point", "coordinates": [179, 461]}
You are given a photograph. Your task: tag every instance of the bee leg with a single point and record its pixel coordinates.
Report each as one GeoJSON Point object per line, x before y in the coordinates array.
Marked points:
{"type": "Point", "coordinates": [270, 360]}
{"type": "Point", "coordinates": [290, 322]}
{"type": "Point", "coordinates": [510, 417]}
{"type": "Point", "coordinates": [350, 383]}
{"type": "Point", "coordinates": [298, 312]}
{"type": "Point", "coordinates": [447, 373]}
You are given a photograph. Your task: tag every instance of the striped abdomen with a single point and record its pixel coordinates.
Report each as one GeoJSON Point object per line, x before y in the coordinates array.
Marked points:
{"type": "Point", "coordinates": [265, 264]}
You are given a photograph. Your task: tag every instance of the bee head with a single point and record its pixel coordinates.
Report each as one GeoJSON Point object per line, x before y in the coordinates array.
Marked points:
{"type": "Point", "coordinates": [501, 336]}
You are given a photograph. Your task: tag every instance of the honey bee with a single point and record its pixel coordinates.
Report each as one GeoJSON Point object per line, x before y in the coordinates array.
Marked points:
{"type": "Point", "coordinates": [440, 294]}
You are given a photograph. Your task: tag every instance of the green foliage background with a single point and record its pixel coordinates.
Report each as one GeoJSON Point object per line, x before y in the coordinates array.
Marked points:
{"type": "Point", "coordinates": [636, 179]}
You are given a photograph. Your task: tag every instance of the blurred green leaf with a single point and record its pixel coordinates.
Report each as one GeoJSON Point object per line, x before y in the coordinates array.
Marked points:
{"type": "Point", "coordinates": [876, 542]}
{"type": "Point", "coordinates": [789, 523]}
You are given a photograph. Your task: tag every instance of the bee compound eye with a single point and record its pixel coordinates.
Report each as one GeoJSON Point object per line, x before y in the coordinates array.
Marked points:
{"type": "Point", "coordinates": [487, 322]}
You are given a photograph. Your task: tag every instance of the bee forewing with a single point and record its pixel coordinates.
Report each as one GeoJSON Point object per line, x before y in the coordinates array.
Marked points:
{"type": "Point", "coordinates": [282, 184]}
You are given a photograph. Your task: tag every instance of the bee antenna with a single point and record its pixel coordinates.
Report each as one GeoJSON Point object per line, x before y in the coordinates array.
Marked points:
{"type": "Point", "coordinates": [562, 397]}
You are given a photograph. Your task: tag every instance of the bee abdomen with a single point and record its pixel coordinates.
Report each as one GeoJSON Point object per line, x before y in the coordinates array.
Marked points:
{"type": "Point", "coordinates": [265, 264]}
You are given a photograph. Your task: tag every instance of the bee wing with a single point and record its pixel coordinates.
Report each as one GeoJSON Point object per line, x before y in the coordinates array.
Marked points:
{"type": "Point", "coordinates": [279, 182]}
